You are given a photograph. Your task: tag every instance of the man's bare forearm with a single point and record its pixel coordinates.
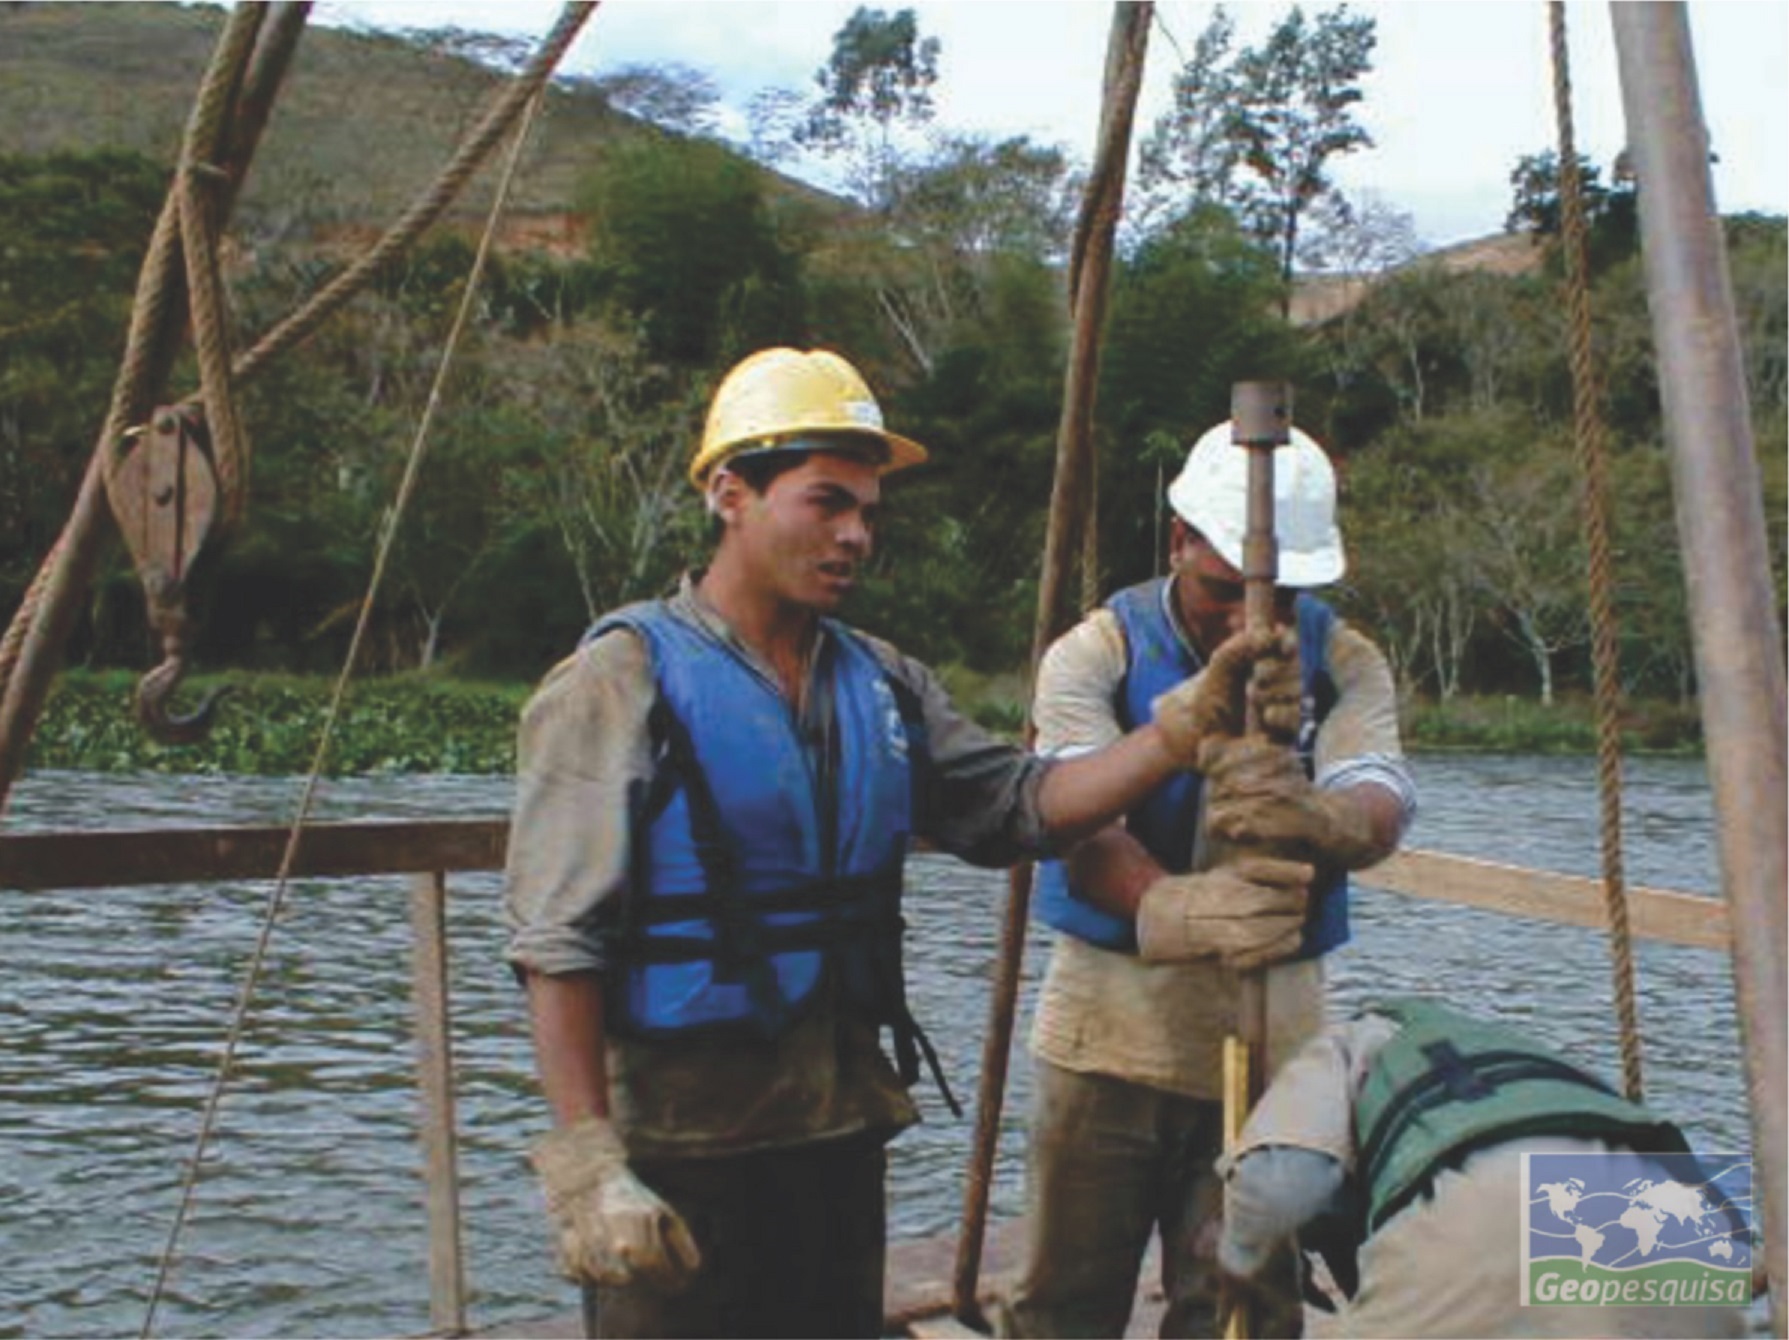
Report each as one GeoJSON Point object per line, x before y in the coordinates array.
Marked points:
{"type": "Point", "coordinates": [1112, 869]}
{"type": "Point", "coordinates": [566, 1013]}
{"type": "Point", "coordinates": [1382, 813]}
{"type": "Point", "coordinates": [1081, 795]}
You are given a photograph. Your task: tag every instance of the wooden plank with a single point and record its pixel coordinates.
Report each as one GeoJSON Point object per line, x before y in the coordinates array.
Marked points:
{"type": "Point", "coordinates": [1653, 914]}
{"type": "Point", "coordinates": [942, 1327]}
{"type": "Point", "coordinates": [108, 858]}
{"type": "Point", "coordinates": [122, 857]}
{"type": "Point", "coordinates": [434, 1074]}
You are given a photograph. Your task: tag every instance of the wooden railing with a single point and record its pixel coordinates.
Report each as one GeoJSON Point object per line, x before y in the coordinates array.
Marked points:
{"type": "Point", "coordinates": [429, 850]}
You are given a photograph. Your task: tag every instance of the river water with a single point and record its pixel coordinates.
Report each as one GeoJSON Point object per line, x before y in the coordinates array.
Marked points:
{"type": "Point", "coordinates": [308, 1218]}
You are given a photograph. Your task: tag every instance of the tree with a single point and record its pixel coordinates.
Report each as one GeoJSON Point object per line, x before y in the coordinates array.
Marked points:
{"type": "Point", "coordinates": [73, 228]}
{"type": "Point", "coordinates": [1367, 238]}
{"type": "Point", "coordinates": [1526, 533]}
{"type": "Point", "coordinates": [670, 95]}
{"type": "Point", "coordinates": [1257, 131]}
{"type": "Point", "coordinates": [1296, 113]}
{"type": "Point", "coordinates": [603, 471]}
{"type": "Point", "coordinates": [975, 206]}
{"type": "Point", "coordinates": [1611, 213]}
{"type": "Point", "coordinates": [880, 74]}
{"type": "Point", "coordinates": [772, 117]}
{"type": "Point", "coordinates": [1191, 314]}
{"type": "Point", "coordinates": [1407, 508]}
{"type": "Point", "coordinates": [681, 230]}
{"type": "Point", "coordinates": [1190, 156]}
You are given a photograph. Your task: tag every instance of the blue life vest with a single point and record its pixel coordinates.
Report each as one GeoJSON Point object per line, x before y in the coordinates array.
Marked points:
{"type": "Point", "coordinates": [765, 864]}
{"type": "Point", "coordinates": [1157, 660]}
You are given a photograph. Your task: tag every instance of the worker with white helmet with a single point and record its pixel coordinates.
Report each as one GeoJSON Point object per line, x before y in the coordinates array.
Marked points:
{"type": "Point", "coordinates": [714, 797]}
{"type": "Point", "coordinates": [1142, 989]}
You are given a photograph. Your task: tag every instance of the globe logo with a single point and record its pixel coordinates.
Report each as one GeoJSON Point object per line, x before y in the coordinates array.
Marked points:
{"type": "Point", "coordinates": [1627, 1229]}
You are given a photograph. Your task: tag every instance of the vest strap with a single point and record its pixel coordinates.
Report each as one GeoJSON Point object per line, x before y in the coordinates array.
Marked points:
{"type": "Point", "coordinates": [1460, 1078]}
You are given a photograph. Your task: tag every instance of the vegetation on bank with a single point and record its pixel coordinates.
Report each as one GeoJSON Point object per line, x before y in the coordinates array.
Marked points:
{"type": "Point", "coordinates": [414, 723]}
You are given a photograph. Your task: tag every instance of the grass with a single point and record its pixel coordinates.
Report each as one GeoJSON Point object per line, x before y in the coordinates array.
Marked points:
{"type": "Point", "coordinates": [420, 723]}
{"type": "Point", "coordinates": [1509, 725]}
{"type": "Point", "coordinates": [270, 724]}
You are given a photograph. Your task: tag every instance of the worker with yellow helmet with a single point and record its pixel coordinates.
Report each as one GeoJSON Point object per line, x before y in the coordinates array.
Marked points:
{"type": "Point", "coordinates": [714, 797]}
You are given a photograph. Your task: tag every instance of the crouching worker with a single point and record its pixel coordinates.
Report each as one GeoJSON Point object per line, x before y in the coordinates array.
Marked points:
{"type": "Point", "coordinates": [1391, 1150]}
{"type": "Point", "coordinates": [714, 797]}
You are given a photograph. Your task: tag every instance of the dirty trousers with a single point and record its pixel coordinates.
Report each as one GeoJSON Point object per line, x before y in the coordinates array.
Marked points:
{"type": "Point", "coordinates": [1111, 1161]}
{"type": "Point", "coordinates": [792, 1244]}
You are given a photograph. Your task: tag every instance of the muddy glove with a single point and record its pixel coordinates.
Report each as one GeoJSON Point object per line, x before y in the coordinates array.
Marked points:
{"type": "Point", "coordinates": [1276, 690]}
{"type": "Point", "coordinates": [1260, 798]}
{"type": "Point", "coordinates": [1209, 705]}
{"type": "Point", "coordinates": [612, 1228]}
{"type": "Point", "coordinates": [1246, 914]}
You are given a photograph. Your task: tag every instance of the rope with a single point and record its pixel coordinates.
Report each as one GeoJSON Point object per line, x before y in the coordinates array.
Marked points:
{"type": "Point", "coordinates": [1089, 274]}
{"type": "Point", "coordinates": [1593, 463]}
{"type": "Point", "coordinates": [406, 487]}
{"type": "Point", "coordinates": [44, 613]}
{"type": "Point", "coordinates": [427, 207]}
{"type": "Point", "coordinates": [229, 446]}
{"type": "Point", "coordinates": [41, 620]}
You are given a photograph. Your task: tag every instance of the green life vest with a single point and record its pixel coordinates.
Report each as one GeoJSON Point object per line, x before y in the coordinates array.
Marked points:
{"type": "Point", "coordinates": [1448, 1084]}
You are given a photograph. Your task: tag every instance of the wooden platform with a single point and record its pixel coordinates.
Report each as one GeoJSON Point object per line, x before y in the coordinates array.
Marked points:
{"type": "Point", "coordinates": [918, 1290]}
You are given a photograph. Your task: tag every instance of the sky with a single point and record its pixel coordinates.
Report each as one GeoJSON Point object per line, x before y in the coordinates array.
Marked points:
{"type": "Point", "coordinates": [1459, 91]}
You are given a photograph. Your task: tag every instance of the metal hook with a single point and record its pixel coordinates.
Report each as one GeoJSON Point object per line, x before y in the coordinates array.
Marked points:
{"type": "Point", "coordinates": [166, 500]}
{"type": "Point", "coordinates": [155, 692]}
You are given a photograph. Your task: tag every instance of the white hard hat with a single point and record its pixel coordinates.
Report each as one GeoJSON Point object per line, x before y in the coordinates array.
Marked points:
{"type": "Point", "coordinates": [1211, 495]}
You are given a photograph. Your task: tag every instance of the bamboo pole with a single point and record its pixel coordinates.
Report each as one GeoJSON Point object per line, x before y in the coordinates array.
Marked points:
{"type": "Point", "coordinates": [1720, 520]}
{"type": "Point", "coordinates": [1089, 283]}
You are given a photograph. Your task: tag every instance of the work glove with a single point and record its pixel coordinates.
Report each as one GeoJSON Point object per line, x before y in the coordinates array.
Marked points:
{"type": "Point", "coordinates": [1246, 914]}
{"type": "Point", "coordinates": [1209, 706]}
{"type": "Point", "coordinates": [1259, 798]}
{"type": "Point", "coordinates": [613, 1229]}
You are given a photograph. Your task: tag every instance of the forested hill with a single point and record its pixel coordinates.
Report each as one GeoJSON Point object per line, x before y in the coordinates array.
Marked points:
{"type": "Point", "coordinates": [554, 487]}
{"type": "Point", "coordinates": [363, 122]}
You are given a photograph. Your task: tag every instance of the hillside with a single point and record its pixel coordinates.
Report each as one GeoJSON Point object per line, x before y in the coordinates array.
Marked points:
{"type": "Point", "coordinates": [363, 122]}
{"type": "Point", "coordinates": [1317, 298]}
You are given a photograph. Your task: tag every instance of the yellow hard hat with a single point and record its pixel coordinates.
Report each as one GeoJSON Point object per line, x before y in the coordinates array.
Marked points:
{"type": "Point", "coordinates": [777, 396]}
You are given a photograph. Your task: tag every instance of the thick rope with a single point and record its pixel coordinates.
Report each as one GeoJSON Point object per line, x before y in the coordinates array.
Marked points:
{"type": "Point", "coordinates": [194, 226]}
{"type": "Point", "coordinates": [229, 444]}
{"type": "Point", "coordinates": [1089, 286]}
{"type": "Point", "coordinates": [1593, 462]}
{"type": "Point", "coordinates": [65, 571]}
{"type": "Point", "coordinates": [406, 487]}
{"type": "Point", "coordinates": [67, 567]}
{"type": "Point", "coordinates": [497, 119]}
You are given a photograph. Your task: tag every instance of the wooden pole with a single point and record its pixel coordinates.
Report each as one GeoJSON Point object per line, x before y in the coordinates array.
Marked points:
{"type": "Point", "coordinates": [1726, 560]}
{"type": "Point", "coordinates": [434, 1074]}
{"type": "Point", "coordinates": [1089, 282]}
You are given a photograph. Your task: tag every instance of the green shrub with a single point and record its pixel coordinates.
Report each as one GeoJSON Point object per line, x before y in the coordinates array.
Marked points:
{"type": "Point", "coordinates": [272, 723]}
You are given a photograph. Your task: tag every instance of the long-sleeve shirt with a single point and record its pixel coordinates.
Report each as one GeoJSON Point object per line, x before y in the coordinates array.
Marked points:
{"type": "Point", "coordinates": [584, 745]}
